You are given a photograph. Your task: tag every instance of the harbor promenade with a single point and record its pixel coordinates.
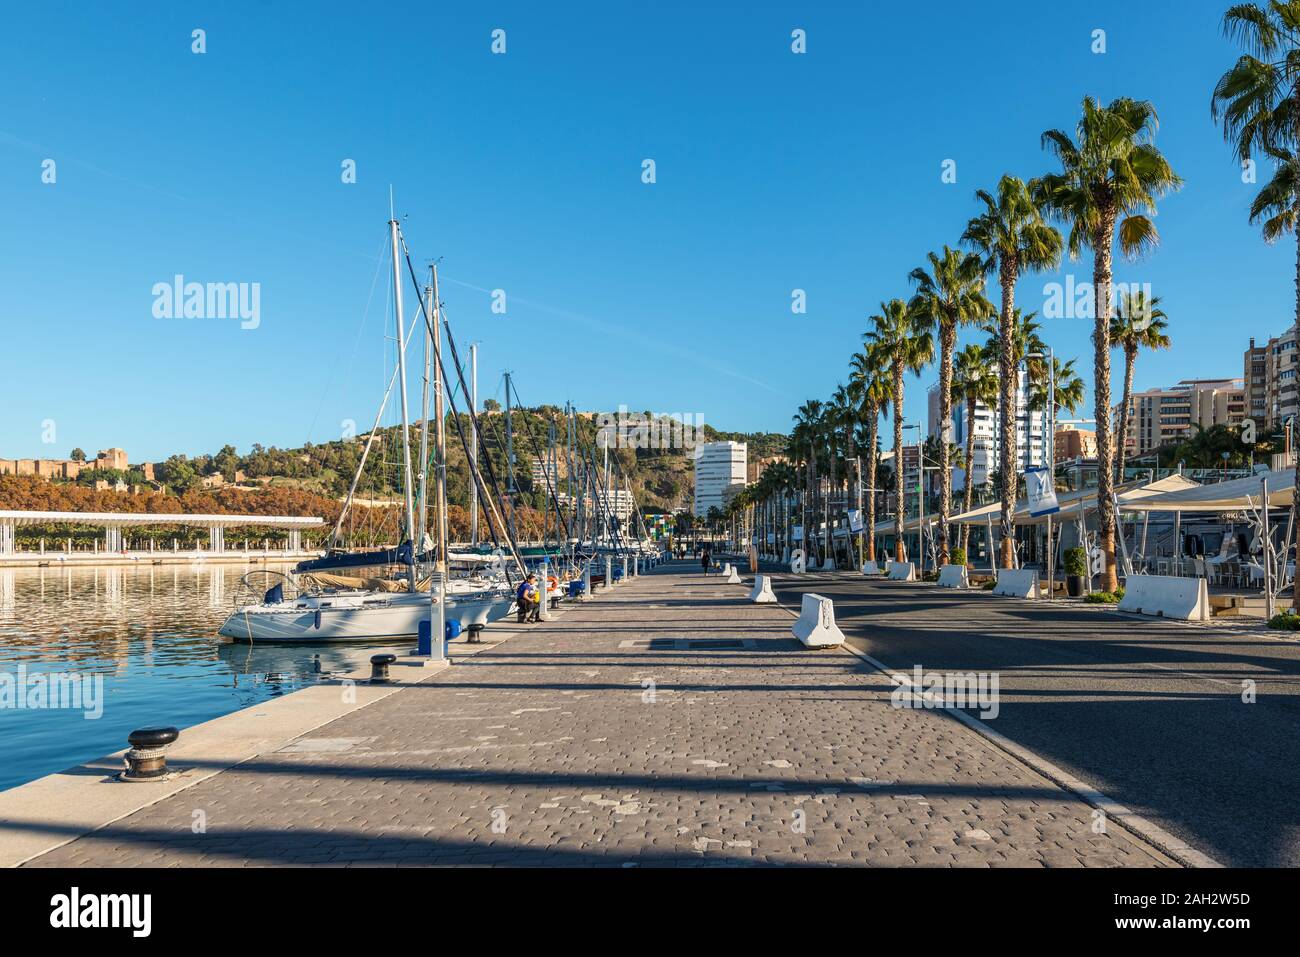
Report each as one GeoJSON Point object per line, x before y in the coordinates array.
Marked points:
{"type": "Point", "coordinates": [667, 722]}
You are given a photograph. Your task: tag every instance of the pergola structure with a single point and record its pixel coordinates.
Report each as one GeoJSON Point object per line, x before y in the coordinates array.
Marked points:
{"type": "Point", "coordinates": [113, 524]}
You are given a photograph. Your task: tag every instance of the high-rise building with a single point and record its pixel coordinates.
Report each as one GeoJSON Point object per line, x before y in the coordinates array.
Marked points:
{"type": "Point", "coordinates": [1269, 380]}
{"type": "Point", "coordinates": [1031, 433]}
{"type": "Point", "coordinates": [719, 473]}
{"type": "Point", "coordinates": [1158, 417]}
{"type": "Point", "coordinates": [1256, 382]}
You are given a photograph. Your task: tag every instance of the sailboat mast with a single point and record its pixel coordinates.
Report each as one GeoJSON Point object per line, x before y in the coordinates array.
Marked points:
{"type": "Point", "coordinates": [406, 420]}
{"type": "Point", "coordinates": [473, 442]}
{"type": "Point", "coordinates": [422, 474]}
{"type": "Point", "coordinates": [440, 435]}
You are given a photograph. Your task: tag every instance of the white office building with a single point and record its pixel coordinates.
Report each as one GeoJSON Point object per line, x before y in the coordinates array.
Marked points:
{"type": "Point", "coordinates": [720, 470]}
{"type": "Point", "coordinates": [1031, 434]}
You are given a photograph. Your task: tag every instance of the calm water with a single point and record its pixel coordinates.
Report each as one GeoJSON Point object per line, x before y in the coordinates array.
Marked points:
{"type": "Point", "coordinates": [150, 632]}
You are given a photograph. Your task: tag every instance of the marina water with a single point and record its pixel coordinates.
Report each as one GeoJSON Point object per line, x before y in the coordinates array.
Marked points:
{"type": "Point", "coordinates": [145, 637]}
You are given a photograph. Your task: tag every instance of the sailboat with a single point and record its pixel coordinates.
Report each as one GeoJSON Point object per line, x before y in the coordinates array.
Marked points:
{"type": "Point", "coordinates": [331, 607]}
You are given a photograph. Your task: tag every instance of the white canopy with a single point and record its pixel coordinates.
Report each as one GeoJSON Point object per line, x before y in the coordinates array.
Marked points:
{"type": "Point", "coordinates": [1069, 504]}
{"type": "Point", "coordinates": [1232, 496]}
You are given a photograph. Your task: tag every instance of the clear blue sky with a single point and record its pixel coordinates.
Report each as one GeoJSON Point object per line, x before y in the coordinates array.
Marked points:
{"type": "Point", "coordinates": [523, 171]}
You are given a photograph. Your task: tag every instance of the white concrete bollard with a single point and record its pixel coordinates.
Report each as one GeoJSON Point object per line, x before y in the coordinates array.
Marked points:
{"type": "Point", "coordinates": [609, 572]}
{"type": "Point", "coordinates": [828, 565]}
{"type": "Point", "coordinates": [870, 567]}
{"type": "Point", "coordinates": [816, 626]}
{"type": "Point", "coordinates": [1166, 597]}
{"type": "Point", "coordinates": [1017, 583]}
{"type": "Point", "coordinates": [762, 593]}
{"type": "Point", "coordinates": [734, 577]}
{"type": "Point", "coordinates": [953, 576]}
{"type": "Point", "coordinates": [902, 571]}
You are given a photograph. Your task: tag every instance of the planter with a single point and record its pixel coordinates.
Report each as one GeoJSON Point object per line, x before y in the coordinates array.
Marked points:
{"type": "Point", "coordinates": [1075, 585]}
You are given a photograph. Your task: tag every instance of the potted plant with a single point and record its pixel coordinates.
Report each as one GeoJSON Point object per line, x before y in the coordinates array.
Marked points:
{"type": "Point", "coordinates": [957, 556]}
{"type": "Point", "coordinates": [1076, 571]}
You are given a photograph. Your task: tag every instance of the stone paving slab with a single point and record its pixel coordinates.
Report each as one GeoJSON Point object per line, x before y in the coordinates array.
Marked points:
{"type": "Point", "coordinates": [596, 740]}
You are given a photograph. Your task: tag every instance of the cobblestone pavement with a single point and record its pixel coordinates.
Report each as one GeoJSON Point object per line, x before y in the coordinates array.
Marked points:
{"type": "Point", "coordinates": [597, 739]}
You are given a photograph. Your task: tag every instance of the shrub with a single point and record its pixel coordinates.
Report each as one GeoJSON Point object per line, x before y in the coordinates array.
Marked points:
{"type": "Point", "coordinates": [957, 556]}
{"type": "Point", "coordinates": [1285, 621]}
{"type": "Point", "coordinates": [1076, 562]}
{"type": "Point", "coordinates": [989, 585]}
{"type": "Point", "coordinates": [1105, 597]}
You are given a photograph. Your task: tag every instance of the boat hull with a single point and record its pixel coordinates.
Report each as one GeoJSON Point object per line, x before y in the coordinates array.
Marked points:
{"type": "Point", "coordinates": [354, 618]}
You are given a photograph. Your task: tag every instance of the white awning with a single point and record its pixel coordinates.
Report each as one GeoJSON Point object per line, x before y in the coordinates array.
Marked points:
{"type": "Point", "coordinates": [1232, 496]}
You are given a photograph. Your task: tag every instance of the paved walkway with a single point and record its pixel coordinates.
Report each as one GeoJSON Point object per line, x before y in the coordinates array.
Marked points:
{"type": "Point", "coordinates": [598, 739]}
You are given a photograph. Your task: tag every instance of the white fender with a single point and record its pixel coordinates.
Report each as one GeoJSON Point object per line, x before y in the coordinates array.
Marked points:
{"type": "Point", "coordinates": [816, 626]}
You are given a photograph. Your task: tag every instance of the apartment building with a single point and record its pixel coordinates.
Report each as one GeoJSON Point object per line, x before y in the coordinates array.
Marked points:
{"type": "Point", "coordinates": [720, 471]}
{"type": "Point", "coordinates": [1270, 380]}
{"type": "Point", "coordinates": [1031, 434]}
{"type": "Point", "coordinates": [1158, 417]}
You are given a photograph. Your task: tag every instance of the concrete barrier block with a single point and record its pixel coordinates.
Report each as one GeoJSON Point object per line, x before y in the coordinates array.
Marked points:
{"type": "Point", "coordinates": [1017, 583]}
{"type": "Point", "coordinates": [1166, 597]}
{"type": "Point", "coordinates": [762, 592]}
{"type": "Point", "coordinates": [816, 626]}
{"type": "Point", "coordinates": [902, 571]}
{"type": "Point", "coordinates": [828, 565]}
{"type": "Point", "coordinates": [953, 576]}
{"type": "Point", "coordinates": [870, 568]}
{"type": "Point", "coordinates": [734, 577]}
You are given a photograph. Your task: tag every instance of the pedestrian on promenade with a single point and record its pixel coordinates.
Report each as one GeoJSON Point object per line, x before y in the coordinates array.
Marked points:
{"type": "Point", "coordinates": [705, 559]}
{"type": "Point", "coordinates": [527, 598]}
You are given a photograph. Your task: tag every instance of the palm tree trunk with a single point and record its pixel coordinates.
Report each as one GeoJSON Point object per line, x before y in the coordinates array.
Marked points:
{"type": "Point", "coordinates": [1130, 360]}
{"type": "Point", "coordinates": [1007, 407]}
{"type": "Point", "coordinates": [899, 489]}
{"type": "Point", "coordinates": [947, 343]}
{"type": "Point", "coordinates": [968, 495]}
{"type": "Point", "coordinates": [1101, 285]}
{"type": "Point", "coordinates": [1295, 435]}
{"type": "Point", "coordinates": [869, 525]}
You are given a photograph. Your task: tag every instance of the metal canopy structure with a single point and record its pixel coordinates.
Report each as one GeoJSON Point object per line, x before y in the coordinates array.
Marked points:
{"type": "Point", "coordinates": [1133, 496]}
{"type": "Point", "coordinates": [114, 522]}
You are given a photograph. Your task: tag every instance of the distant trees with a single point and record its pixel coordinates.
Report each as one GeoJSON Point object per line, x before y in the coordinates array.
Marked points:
{"type": "Point", "coordinates": [77, 455]}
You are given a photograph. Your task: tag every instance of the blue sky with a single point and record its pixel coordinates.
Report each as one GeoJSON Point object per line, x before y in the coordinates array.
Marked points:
{"type": "Point", "coordinates": [775, 172]}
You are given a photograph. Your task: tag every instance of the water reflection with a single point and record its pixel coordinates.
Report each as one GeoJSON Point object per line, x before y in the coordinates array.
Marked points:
{"type": "Point", "coordinates": [150, 632]}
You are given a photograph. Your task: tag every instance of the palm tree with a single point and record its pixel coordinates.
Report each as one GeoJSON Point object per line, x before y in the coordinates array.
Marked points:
{"type": "Point", "coordinates": [1110, 178]}
{"type": "Point", "coordinates": [1069, 390]}
{"type": "Point", "coordinates": [1014, 239]}
{"type": "Point", "coordinates": [1139, 323]}
{"type": "Point", "coordinates": [870, 386]}
{"type": "Point", "coordinates": [906, 345]}
{"type": "Point", "coordinates": [1258, 102]}
{"type": "Point", "coordinates": [949, 295]}
{"type": "Point", "coordinates": [807, 434]}
{"type": "Point", "coordinates": [974, 381]}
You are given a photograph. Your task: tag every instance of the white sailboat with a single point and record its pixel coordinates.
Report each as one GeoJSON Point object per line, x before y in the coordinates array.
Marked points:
{"type": "Point", "coordinates": [336, 608]}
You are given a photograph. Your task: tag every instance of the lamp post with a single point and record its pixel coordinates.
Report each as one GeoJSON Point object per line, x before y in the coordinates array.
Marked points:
{"type": "Point", "coordinates": [920, 484]}
{"type": "Point", "coordinates": [1050, 440]}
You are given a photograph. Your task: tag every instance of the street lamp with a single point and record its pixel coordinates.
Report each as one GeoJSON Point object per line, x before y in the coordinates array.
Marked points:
{"type": "Point", "coordinates": [1051, 452]}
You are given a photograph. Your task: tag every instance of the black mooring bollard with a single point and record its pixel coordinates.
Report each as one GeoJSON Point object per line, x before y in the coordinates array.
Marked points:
{"type": "Point", "coordinates": [475, 634]}
{"type": "Point", "coordinates": [147, 758]}
{"type": "Point", "coordinates": [379, 668]}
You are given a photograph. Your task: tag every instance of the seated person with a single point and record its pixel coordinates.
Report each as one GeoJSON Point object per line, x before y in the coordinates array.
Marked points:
{"type": "Point", "coordinates": [528, 598]}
